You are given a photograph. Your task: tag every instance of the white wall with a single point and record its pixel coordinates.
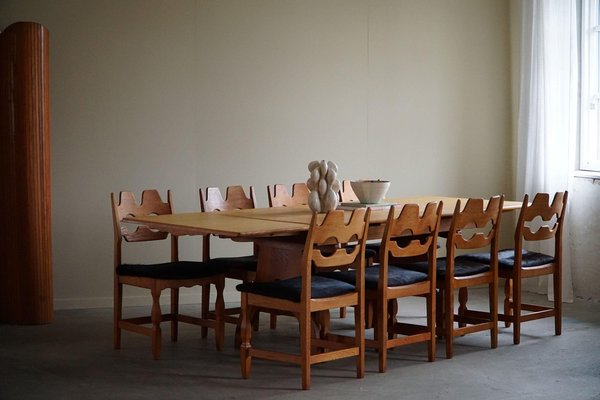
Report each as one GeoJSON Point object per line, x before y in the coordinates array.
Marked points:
{"type": "Point", "coordinates": [584, 221]}
{"type": "Point", "coordinates": [185, 94]}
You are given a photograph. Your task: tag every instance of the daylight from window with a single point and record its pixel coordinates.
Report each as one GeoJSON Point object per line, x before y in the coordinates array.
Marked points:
{"type": "Point", "coordinates": [590, 88]}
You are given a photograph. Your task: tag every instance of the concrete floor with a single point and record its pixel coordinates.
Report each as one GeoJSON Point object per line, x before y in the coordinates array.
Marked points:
{"type": "Point", "coordinates": [73, 358]}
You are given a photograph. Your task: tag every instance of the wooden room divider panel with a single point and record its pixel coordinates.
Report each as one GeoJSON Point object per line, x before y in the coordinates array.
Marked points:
{"type": "Point", "coordinates": [25, 239]}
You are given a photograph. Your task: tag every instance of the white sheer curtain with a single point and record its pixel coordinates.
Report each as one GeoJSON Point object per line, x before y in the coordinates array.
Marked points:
{"type": "Point", "coordinates": [548, 109]}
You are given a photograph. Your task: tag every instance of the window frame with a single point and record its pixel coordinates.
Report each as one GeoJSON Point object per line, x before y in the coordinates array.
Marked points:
{"type": "Point", "coordinates": [589, 146]}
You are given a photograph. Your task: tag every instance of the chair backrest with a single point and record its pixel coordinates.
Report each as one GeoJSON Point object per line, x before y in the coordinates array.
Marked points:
{"type": "Point", "coordinates": [411, 234]}
{"type": "Point", "coordinates": [475, 226]}
{"type": "Point", "coordinates": [235, 199]}
{"type": "Point", "coordinates": [126, 206]}
{"type": "Point", "coordinates": [347, 195]}
{"type": "Point", "coordinates": [327, 244]}
{"type": "Point", "coordinates": [212, 200]}
{"type": "Point", "coordinates": [541, 220]}
{"type": "Point", "coordinates": [280, 197]}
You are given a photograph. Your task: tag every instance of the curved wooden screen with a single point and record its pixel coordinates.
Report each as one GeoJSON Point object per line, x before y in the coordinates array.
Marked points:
{"type": "Point", "coordinates": [25, 242]}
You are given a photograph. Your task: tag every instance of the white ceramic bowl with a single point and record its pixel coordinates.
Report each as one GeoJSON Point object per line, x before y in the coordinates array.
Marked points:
{"type": "Point", "coordinates": [370, 191]}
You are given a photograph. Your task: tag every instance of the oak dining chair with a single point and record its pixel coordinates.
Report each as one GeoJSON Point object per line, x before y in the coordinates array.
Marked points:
{"type": "Point", "coordinates": [474, 227]}
{"type": "Point", "coordinates": [407, 236]}
{"type": "Point", "coordinates": [279, 196]}
{"type": "Point", "coordinates": [310, 294]}
{"type": "Point", "coordinates": [347, 195]}
{"type": "Point", "coordinates": [540, 221]}
{"type": "Point", "coordinates": [157, 277]}
{"type": "Point", "coordinates": [234, 267]}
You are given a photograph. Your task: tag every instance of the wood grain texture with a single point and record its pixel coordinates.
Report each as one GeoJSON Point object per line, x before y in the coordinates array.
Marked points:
{"type": "Point", "coordinates": [280, 197]}
{"type": "Point", "coordinates": [26, 272]}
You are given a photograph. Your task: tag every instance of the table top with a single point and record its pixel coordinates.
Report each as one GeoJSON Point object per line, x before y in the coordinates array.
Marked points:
{"type": "Point", "coordinates": [278, 221]}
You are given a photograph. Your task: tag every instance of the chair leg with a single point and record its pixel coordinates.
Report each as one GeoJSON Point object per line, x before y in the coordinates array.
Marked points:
{"type": "Point", "coordinates": [359, 334]}
{"type": "Point", "coordinates": [324, 323]}
{"type": "Point", "coordinates": [273, 321]}
{"type": "Point", "coordinates": [255, 321]}
{"type": "Point", "coordinates": [382, 334]}
{"type": "Point", "coordinates": [369, 315]}
{"type": "Point", "coordinates": [557, 282]}
{"type": "Point", "coordinates": [439, 313]}
{"type": "Point", "coordinates": [392, 317]}
{"type": "Point", "coordinates": [156, 318]}
{"type": "Point", "coordinates": [449, 321]}
{"type": "Point", "coordinates": [493, 293]}
{"type": "Point", "coordinates": [316, 331]}
{"type": "Point", "coordinates": [463, 297]}
{"type": "Point", "coordinates": [246, 333]}
{"type": "Point", "coordinates": [174, 313]}
{"type": "Point", "coordinates": [237, 340]}
{"type": "Point", "coordinates": [516, 310]}
{"type": "Point", "coordinates": [219, 314]}
{"type": "Point", "coordinates": [374, 324]}
{"type": "Point", "coordinates": [205, 310]}
{"type": "Point", "coordinates": [508, 300]}
{"type": "Point", "coordinates": [305, 347]}
{"type": "Point", "coordinates": [431, 326]}
{"type": "Point", "coordinates": [117, 314]}
{"type": "Point", "coordinates": [342, 312]}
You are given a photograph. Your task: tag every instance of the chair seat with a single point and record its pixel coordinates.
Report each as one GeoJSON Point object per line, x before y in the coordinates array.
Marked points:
{"type": "Point", "coordinates": [397, 276]}
{"type": "Point", "coordinates": [246, 263]}
{"type": "Point", "coordinates": [506, 258]}
{"type": "Point", "coordinates": [372, 250]}
{"type": "Point", "coordinates": [171, 270]}
{"type": "Point", "coordinates": [290, 289]}
{"type": "Point", "coordinates": [462, 267]}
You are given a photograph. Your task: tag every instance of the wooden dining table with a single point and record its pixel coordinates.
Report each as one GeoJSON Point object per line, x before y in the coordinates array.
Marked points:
{"type": "Point", "coordinates": [279, 232]}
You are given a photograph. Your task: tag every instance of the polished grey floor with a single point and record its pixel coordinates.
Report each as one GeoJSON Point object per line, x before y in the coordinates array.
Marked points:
{"type": "Point", "coordinates": [73, 358]}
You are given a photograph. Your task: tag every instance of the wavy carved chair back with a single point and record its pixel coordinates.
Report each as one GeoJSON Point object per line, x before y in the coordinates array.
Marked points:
{"type": "Point", "coordinates": [280, 197]}
{"type": "Point", "coordinates": [475, 215]}
{"type": "Point", "coordinates": [550, 214]}
{"type": "Point", "coordinates": [211, 200]}
{"type": "Point", "coordinates": [347, 194]}
{"type": "Point", "coordinates": [235, 199]}
{"type": "Point", "coordinates": [127, 206]}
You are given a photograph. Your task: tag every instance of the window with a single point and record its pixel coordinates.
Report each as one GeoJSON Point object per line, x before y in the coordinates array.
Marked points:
{"type": "Point", "coordinates": [589, 154]}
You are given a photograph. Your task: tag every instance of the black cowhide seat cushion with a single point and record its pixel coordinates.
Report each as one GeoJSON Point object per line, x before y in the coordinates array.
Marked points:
{"type": "Point", "coordinates": [461, 267]}
{"type": "Point", "coordinates": [170, 270]}
{"type": "Point", "coordinates": [506, 258]}
{"type": "Point", "coordinates": [246, 263]}
{"type": "Point", "coordinates": [397, 276]}
{"type": "Point", "coordinates": [290, 289]}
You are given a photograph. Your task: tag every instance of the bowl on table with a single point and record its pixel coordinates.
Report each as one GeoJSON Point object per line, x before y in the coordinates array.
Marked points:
{"type": "Point", "coordinates": [370, 191]}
